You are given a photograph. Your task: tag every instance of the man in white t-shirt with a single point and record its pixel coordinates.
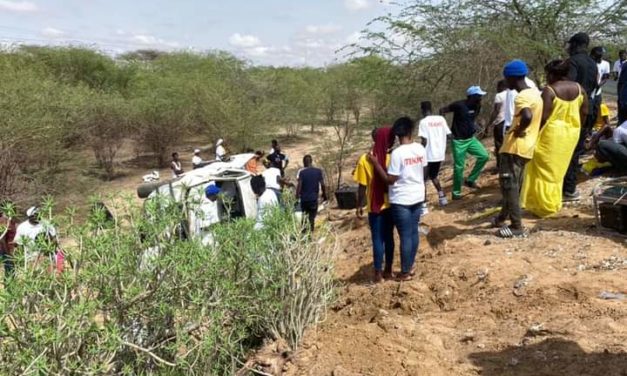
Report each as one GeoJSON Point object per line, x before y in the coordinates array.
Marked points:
{"type": "Point", "coordinates": [603, 67]}
{"type": "Point", "coordinates": [509, 105]}
{"type": "Point", "coordinates": [618, 64]}
{"type": "Point", "coordinates": [266, 200]}
{"type": "Point", "coordinates": [28, 231]}
{"type": "Point", "coordinates": [196, 159]}
{"type": "Point", "coordinates": [497, 118]}
{"type": "Point", "coordinates": [434, 132]}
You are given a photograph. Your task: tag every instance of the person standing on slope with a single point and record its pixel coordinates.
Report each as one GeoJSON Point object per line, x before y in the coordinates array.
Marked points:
{"type": "Point", "coordinates": [464, 127]}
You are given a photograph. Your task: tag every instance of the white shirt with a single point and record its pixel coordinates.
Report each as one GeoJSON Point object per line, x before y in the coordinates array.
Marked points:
{"type": "Point", "coordinates": [618, 65]}
{"type": "Point", "coordinates": [620, 134]}
{"type": "Point", "coordinates": [26, 233]}
{"type": "Point", "coordinates": [509, 104]}
{"type": "Point", "coordinates": [500, 98]}
{"type": "Point", "coordinates": [435, 130]}
{"type": "Point", "coordinates": [603, 68]}
{"type": "Point", "coordinates": [196, 160]}
{"type": "Point", "coordinates": [220, 152]}
{"type": "Point", "coordinates": [408, 163]}
{"type": "Point", "coordinates": [265, 202]}
{"type": "Point", "coordinates": [271, 176]}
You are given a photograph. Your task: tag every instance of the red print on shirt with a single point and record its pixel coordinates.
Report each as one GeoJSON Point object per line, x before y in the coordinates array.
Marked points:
{"type": "Point", "coordinates": [435, 124]}
{"type": "Point", "coordinates": [412, 161]}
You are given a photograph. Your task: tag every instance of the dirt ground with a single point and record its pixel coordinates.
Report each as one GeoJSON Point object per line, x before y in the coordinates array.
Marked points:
{"type": "Point", "coordinates": [480, 305]}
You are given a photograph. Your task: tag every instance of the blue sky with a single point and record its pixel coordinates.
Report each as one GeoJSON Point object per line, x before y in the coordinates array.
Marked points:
{"type": "Point", "coordinates": [277, 32]}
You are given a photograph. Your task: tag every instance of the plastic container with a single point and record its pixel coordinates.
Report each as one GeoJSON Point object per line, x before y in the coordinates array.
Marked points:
{"type": "Point", "coordinates": [346, 197]}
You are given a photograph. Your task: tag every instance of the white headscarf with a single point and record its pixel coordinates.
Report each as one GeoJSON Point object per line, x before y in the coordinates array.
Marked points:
{"type": "Point", "coordinates": [220, 141]}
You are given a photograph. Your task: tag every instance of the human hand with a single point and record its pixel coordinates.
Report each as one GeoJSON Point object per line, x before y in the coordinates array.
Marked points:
{"type": "Point", "coordinates": [372, 158]}
{"type": "Point", "coordinates": [520, 133]}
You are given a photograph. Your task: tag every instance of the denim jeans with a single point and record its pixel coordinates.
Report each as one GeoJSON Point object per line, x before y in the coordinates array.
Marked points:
{"type": "Point", "coordinates": [406, 218]}
{"type": "Point", "coordinates": [382, 233]}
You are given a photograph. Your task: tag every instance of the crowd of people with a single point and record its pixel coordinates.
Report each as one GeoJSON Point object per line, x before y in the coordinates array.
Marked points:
{"type": "Point", "coordinates": [540, 134]}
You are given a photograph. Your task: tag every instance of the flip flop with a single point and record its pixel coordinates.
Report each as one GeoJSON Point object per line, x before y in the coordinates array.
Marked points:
{"type": "Point", "coordinates": [508, 233]}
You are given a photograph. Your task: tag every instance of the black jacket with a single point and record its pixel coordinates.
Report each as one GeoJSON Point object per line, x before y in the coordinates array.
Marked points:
{"type": "Point", "coordinates": [584, 71]}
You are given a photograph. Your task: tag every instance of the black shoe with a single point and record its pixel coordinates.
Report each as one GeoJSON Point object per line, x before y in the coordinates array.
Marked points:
{"type": "Point", "coordinates": [471, 184]}
{"type": "Point", "coordinates": [570, 197]}
{"type": "Point", "coordinates": [455, 198]}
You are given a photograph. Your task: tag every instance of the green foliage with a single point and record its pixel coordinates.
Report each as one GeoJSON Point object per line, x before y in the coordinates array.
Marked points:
{"type": "Point", "coordinates": [138, 300]}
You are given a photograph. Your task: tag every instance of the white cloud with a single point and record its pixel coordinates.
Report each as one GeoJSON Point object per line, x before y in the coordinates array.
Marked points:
{"type": "Point", "coordinates": [355, 5]}
{"type": "Point", "coordinates": [18, 6]}
{"type": "Point", "coordinates": [152, 41]}
{"type": "Point", "coordinates": [51, 32]}
{"type": "Point", "coordinates": [323, 29]}
{"type": "Point", "coordinates": [244, 41]}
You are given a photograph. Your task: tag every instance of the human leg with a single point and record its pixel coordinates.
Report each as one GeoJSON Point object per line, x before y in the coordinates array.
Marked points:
{"type": "Point", "coordinates": [477, 150]}
{"type": "Point", "coordinates": [388, 241]}
{"type": "Point", "coordinates": [415, 211]}
{"type": "Point", "coordinates": [310, 211]}
{"type": "Point", "coordinates": [614, 153]}
{"type": "Point", "coordinates": [376, 222]}
{"type": "Point", "coordinates": [459, 160]}
{"type": "Point", "coordinates": [402, 221]}
{"type": "Point", "coordinates": [510, 177]}
{"type": "Point", "coordinates": [498, 141]}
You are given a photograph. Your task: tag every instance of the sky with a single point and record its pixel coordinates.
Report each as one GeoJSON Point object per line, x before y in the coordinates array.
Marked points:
{"type": "Point", "coordinates": [268, 32]}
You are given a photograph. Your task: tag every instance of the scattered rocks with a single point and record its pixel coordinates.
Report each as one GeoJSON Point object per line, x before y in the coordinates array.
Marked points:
{"type": "Point", "coordinates": [520, 285]}
{"type": "Point", "coordinates": [469, 336]}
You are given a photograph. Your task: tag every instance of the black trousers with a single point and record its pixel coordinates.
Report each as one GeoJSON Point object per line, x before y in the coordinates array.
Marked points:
{"type": "Point", "coordinates": [511, 177]}
{"type": "Point", "coordinates": [310, 211]}
{"type": "Point", "coordinates": [498, 141]}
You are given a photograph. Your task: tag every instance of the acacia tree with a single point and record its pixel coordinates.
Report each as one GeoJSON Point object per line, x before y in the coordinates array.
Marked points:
{"type": "Point", "coordinates": [450, 44]}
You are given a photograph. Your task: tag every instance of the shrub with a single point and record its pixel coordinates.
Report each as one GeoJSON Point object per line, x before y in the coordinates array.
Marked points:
{"type": "Point", "coordinates": [178, 308]}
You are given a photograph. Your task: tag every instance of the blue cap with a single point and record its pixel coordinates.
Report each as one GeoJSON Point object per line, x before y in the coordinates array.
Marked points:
{"type": "Point", "coordinates": [475, 90]}
{"type": "Point", "coordinates": [515, 68]}
{"type": "Point", "coordinates": [212, 190]}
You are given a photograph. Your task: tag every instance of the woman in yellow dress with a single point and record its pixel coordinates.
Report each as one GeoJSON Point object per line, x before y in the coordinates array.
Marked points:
{"type": "Point", "coordinates": [565, 104]}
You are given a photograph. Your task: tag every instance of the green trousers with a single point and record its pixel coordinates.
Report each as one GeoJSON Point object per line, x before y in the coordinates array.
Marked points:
{"type": "Point", "coordinates": [473, 147]}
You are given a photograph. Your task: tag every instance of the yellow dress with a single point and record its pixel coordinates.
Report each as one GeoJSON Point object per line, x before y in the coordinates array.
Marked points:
{"type": "Point", "coordinates": [541, 192]}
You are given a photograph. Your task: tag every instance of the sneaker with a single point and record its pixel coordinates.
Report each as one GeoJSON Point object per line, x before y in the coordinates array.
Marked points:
{"type": "Point", "coordinates": [569, 197]}
{"type": "Point", "coordinates": [443, 201]}
{"type": "Point", "coordinates": [471, 184]}
{"type": "Point", "coordinates": [455, 197]}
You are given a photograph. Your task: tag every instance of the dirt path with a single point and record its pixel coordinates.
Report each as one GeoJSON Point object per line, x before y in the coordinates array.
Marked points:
{"type": "Point", "coordinates": [463, 314]}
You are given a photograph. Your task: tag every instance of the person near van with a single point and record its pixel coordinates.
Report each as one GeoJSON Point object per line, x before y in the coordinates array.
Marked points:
{"type": "Point", "coordinates": [278, 159]}
{"type": "Point", "coordinates": [310, 183]}
{"type": "Point", "coordinates": [252, 165]}
{"type": "Point", "coordinates": [220, 150]}
{"type": "Point", "coordinates": [175, 166]}
{"type": "Point", "coordinates": [197, 159]}
{"type": "Point", "coordinates": [405, 177]}
{"type": "Point", "coordinates": [266, 200]}
{"type": "Point", "coordinates": [27, 232]}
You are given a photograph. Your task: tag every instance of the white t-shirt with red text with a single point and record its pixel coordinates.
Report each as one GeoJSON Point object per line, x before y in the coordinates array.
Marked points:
{"type": "Point", "coordinates": [408, 162]}
{"type": "Point", "coordinates": [435, 130]}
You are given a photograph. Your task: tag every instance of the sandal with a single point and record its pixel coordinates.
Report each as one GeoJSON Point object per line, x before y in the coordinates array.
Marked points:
{"type": "Point", "coordinates": [404, 277]}
{"type": "Point", "coordinates": [496, 222]}
{"type": "Point", "coordinates": [508, 233]}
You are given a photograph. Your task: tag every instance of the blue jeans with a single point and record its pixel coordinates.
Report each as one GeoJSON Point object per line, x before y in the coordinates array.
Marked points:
{"type": "Point", "coordinates": [406, 218]}
{"type": "Point", "coordinates": [382, 233]}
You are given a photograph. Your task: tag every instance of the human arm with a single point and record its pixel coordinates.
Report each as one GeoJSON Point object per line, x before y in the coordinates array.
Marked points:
{"type": "Point", "coordinates": [446, 109]}
{"type": "Point", "coordinates": [605, 132]}
{"type": "Point", "coordinates": [572, 70]}
{"type": "Point", "coordinates": [547, 104]}
{"type": "Point", "coordinates": [583, 110]}
{"type": "Point", "coordinates": [323, 188]}
{"type": "Point", "coordinates": [525, 119]}
{"type": "Point", "coordinates": [495, 112]}
{"type": "Point", "coordinates": [361, 196]}
{"type": "Point", "coordinates": [379, 170]}
{"type": "Point", "coordinates": [299, 188]}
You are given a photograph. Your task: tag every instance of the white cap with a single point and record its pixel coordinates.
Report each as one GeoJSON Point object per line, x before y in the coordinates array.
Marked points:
{"type": "Point", "coordinates": [219, 142]}
{"type": "Point", "coordinates": [33, 210]}
{"type": "Point", "coordinates": [196, 151]}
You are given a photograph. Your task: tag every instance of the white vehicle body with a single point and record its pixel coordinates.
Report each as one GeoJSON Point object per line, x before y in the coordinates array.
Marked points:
{"type": "Point", "coordinates": [236, 199]}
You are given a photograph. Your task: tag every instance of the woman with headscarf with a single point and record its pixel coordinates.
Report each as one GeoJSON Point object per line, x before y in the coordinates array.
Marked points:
{"type": "Point", "coordinates": [220, 151]}
{"type": "Point", "coordinates": [375, 190]}
{"type": "Point", "coordinates": [565, 105]}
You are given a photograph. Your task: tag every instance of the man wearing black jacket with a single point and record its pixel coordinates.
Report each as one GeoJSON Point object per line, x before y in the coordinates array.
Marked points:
{"type": "Point", "coordinates": [583, 70]}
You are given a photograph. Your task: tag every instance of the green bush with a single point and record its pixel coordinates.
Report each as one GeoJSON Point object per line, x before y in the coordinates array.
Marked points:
{"type": "Point", "coordinates": [181, 309]}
